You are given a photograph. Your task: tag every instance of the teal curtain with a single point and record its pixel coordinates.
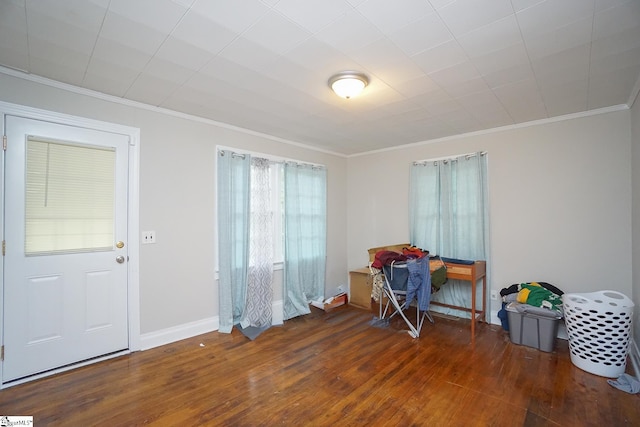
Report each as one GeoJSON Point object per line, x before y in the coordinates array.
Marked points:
{"type": "Point", "coordinates": [448, 215]}
{"type": "Point", "coordinates": [233, 235]}
{"type": "Point", "coordinates": [305, 237]}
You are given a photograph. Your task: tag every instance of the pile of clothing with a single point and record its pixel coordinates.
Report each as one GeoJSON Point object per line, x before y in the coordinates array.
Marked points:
{"type": "Point", "coordinates": [540, 298]}
{"type": "Point", "coordinates": [385, 257]}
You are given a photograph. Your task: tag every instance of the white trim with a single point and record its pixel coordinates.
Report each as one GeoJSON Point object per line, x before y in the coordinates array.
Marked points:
{"type": "Point", "coordinates": [177, 333]}
{"type": "Point", "coordinates": [199, 327]}
{"type": "Point", "coordinates": [277, 316]}
{"type": "Point", "coordinates": [123, 101]}
{"type": "Point", "coordinates": [133, 212]}
{"type": "Point", "coordinates": [571, 116]}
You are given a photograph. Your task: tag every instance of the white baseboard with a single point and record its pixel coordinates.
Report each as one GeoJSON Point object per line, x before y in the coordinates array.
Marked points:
{"type": "Point", "coordinates": [277, 317]}
{"type": "Point", "coordinates": [199, 327]}
{"type": "Point", "coordinates": [177, 333]}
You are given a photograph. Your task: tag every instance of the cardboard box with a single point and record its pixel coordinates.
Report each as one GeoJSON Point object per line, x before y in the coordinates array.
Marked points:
{"type": "Point", "coordinates": [336, 301]}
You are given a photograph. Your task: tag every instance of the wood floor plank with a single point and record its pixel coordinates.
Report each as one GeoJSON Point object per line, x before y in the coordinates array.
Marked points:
{"type": "Point", "coordinates": [330, 368]}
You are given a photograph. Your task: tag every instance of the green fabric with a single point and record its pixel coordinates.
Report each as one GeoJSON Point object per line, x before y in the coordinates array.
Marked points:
{"type": "Point", "coordinates": [439, 277]}
{"type": "Point", "coordinates": [541, 297]}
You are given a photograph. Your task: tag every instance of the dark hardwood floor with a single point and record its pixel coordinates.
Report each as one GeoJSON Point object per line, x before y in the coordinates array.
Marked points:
{"type": "Point", "coordinates": [331, 369]}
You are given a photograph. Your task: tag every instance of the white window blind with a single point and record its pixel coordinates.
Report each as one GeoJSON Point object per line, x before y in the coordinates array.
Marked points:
{"type": "Point", "coordinates": [70, 190]}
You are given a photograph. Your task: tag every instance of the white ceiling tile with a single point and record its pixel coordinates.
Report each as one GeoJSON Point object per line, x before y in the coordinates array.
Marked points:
{"type": "Point", "coordinates": [443, 56]}
{"type": "Point", "coordinates": [606, 4]}
{"type": "Point", "coordinates": [493, 121]}
{"type": "Point", "coordinates": [417, 86]}
{"type": "Point", "coordinates": [249, 54]}
{"type": "Point", "coordinates": [467, 87]}
{"type": "Point", "coordinates": [509, 75]}
{"type": "Point", "coordinates": [236, 15]}
{"type": "Point", "coordinates": [615, 61]}
{"type": "Point", "coordinates": [519, 5]}
{"type": "Point", "coordinates": [613, 87]}
{"type": "Point", "coordinates": [485, 100]}
{"type": "Point", "coordinates": [566, 98]}
{"type": "Point", "coordinates": [503, 59]}
{"type": "Point", "coordinates": [109, 78]}
{"type": "Point", "coordinates": [161, 15]}
{"type": "Point", "coordinates": [151, 89]}
{"type": "Point", "coordinates": [423, 34]}
{"type": "Point", "coordinates": [495, 36]}
{"type": "Point", "coordinates": [522, 101]}
{"type": "Point", "coordinates": [14, 57]}
{"type": "Point", "coordinates": [167, 71]}
{"type": "Point", "coordinates": [616, 19]}
{"type": "Point", "coordinates": [228, 71]}
{"type": "Point", "coordinates": [276, 33]}
{"type": "Point", "coordinates": [54, 53]}
{"type": "Point", "coordinates": [13, 35]}
{"type": "Point", "coordinates": [392, 16]}
{"type": "Point", "coordinates": [184, 54]}
{"type": "Point", "coordinates": [73, 37]}
{"type": "Point", "coordinates": [392, 65]}
{"type": "Point", "coordinates": [464, 16]}
{"type": "Point", "coordinates": [129, 33]}
{"type": "Point", "coordinates": [185, 3]}
{"type": "Point", "coordinates": [202, 33]}
{"type": "Point", "coordinates": [563, 67]}
{"type": "Point", "coordinates": [313, 14]}
{"type": "Point", "coordinates": [59, 70]}
{"type": "Point", "coordinates": [320, 57]}
{"type": "Point", "coordinates": [547, 16]}
{"type": "Point", "coordinates": [109, 51]}
{"type": "Point", "coordinates": [455, 74]}
{"type": "Point", "coordinates": [556, 39]}
{"type": "Point", "coordinates": [87, 15]}
{"type": "Point", "coordinates": [349, 33]}
{"type": "Point", "coordinates": [439, 4]}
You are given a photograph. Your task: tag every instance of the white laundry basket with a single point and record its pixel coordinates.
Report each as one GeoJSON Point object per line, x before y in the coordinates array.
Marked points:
{"type": "Point", "coordinates": [598, 326]}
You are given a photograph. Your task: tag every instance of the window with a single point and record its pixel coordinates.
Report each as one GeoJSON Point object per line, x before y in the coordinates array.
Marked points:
{"type": "Point", "coordinates": [70, 197]}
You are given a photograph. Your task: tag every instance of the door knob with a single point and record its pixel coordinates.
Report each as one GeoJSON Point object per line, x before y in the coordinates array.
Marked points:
{"type": "Point", "coordinates": [119, 259]}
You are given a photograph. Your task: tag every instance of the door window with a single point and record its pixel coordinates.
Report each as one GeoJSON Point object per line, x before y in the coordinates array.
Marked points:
{"type": "Point", "coordinates": [70, 197]}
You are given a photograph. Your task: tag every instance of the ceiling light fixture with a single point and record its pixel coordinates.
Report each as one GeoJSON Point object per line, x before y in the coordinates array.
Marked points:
{"type": "Point", "coordinates": [348, 84]}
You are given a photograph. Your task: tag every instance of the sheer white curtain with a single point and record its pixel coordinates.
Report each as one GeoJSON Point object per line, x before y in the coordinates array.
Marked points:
{"type": "Point", "coordinates": [448, 208]}
{"type": "Point", "coordinates": [245, 241]}
{"type": "Point", "coordinates": [305, 237]}
{"type": "Point", "coordinates": [258, 310]}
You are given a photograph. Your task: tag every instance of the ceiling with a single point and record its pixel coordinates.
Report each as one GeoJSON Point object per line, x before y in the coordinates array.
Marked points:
{"type": "Point", "coordinates": [437, 68]}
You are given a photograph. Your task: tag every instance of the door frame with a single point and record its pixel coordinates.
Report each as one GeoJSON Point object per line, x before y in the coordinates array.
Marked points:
{"type": "Point", "coordinates": [133, 219]}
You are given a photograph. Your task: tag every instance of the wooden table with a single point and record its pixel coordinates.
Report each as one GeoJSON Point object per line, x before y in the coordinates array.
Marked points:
{"type": "Point", "coordinates": [470, 273]}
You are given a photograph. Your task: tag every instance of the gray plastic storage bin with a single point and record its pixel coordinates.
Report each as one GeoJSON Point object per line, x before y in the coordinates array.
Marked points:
{"type": "Point", "coordinates": [532, 330]}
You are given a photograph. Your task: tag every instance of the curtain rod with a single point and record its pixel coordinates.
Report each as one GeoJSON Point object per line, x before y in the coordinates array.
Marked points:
{"type": "Point", "coordinates": [449, 159]}
{"type": "Point", "coordinates": [222, 152]}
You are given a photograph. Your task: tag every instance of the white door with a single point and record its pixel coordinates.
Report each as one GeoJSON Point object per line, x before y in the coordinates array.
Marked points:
{"type": "Point", "coordinates": [65, 263]}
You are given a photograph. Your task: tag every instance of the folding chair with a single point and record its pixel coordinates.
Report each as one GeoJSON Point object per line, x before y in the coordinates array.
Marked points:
{"type": "Point", "coordinates": [404, 282]}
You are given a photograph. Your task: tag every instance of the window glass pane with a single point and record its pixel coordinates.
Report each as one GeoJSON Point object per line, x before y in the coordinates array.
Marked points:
{"type": "Point", "coordinates": [70, 192]}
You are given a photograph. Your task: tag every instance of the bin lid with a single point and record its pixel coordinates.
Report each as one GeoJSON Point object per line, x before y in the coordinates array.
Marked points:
{"type": "Point", "coordinates": [533, 311]}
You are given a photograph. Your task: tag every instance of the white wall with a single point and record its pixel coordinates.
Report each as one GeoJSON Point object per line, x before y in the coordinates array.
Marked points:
{"type": "Point", "coordinates": [177, 181]}
{"type": "Point", "coordinates": [560, 201]}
